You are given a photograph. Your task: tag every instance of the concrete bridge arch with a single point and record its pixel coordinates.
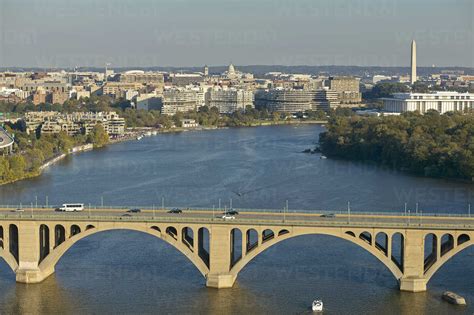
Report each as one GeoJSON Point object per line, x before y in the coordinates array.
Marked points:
{"type": "Point", "coordinates": [34, 264]}
{"type": "Point", "coordinates": [47, 265]}
{"type": "Point", "coordinates": [283, 234]}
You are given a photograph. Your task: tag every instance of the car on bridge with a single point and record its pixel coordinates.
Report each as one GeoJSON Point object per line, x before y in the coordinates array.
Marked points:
{"type": "Point", "coordinates": [227, 216]}
{"type": "Point", "coordinates": [328, 215]}
{"type": "Point", "coordinates": [175, 210]}
{"type": "Point", "coordinates": [232, 212]}
{"type": "Point", "coordinates": [134, 210]}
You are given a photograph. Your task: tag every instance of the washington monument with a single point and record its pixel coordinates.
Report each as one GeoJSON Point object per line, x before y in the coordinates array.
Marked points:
{"type": "Point", "coordinates": [413, 62]}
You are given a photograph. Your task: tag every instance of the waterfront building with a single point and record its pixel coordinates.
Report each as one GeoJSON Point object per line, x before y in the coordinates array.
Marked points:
{"type": "Point", "coordinates": [74, 123]}
{"type": "Point", "coordinates": [230, 100]}
{"type": "Point", "coordinates": [71, 128]}
{"type": "Point", "coordinates": [325, 99]}
{"type": "Point", "coordinates": [422, 102]}
{"type": "Point", "coordinates": [348, 89]}
{"type": "Point", "coordinates": [189, 123]}
{"type": "Point", "coordinates": [296, 100]}
{"type": "Point", "coordinates": [177, 100]}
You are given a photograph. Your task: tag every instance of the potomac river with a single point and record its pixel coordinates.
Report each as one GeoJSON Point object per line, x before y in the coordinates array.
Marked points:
{"type": "Point", "coordinates": [258, 168]}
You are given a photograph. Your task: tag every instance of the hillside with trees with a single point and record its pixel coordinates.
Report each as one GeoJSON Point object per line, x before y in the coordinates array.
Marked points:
{"type": "Point", "coordinates": [430, 145]}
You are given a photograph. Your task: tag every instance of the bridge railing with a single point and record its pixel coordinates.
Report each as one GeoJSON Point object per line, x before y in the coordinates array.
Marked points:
{"type": "Point", "coordinates": [32, 207]}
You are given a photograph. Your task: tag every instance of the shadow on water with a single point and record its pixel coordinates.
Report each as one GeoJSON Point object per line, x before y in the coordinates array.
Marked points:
{"type": "Point", "coordinates": [47, 297]}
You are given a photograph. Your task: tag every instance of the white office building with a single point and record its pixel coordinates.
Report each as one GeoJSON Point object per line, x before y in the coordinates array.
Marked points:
{"type": "Point", "coordinates": [440, 101]}
{"type": "Point", "coordinates": [230, 100]}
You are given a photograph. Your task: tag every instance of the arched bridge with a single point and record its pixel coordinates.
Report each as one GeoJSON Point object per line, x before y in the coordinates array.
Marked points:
{"type": "Point", "coordinates": [413, 248]}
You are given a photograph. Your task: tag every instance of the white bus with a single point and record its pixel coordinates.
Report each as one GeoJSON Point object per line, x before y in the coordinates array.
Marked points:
{"type": "Point", "coordinates": [69, 207]}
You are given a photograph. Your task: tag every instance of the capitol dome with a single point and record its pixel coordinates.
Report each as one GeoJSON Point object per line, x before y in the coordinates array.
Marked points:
{"type": "Point", "coordinates": [231, 69]}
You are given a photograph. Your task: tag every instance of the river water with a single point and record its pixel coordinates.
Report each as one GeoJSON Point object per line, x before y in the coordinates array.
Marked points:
{"type": "Point", "coordinates": [129, 272]}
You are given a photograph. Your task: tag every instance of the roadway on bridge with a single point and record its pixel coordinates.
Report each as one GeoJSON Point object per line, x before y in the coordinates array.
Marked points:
{"type": "Point", "coordinates": [249, 216]}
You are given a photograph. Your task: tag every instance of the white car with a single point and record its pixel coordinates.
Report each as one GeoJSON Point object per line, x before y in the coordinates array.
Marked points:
{"type": "Point", "coordinates": [228, 217]}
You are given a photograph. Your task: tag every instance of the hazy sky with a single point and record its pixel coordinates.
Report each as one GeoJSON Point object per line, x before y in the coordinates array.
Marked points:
{"type": "Point", "coordinates": [58, 33]}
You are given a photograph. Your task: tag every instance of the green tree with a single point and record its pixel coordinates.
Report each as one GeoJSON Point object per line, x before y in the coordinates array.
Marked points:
{"type": "Point", "coordinates": [98, 137]}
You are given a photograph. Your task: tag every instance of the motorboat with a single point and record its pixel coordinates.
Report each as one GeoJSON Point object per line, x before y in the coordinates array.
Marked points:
{"type": "Point", "coordinates": [317, 306]}
{"type": "Point", "coordinates": [323, 157]}
{"type": "Point", "coordinates": [140, 137]}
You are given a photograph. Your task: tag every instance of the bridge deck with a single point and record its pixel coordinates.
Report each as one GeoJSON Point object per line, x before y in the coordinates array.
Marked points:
{"type": "Point", "coordinates": [388, 220]}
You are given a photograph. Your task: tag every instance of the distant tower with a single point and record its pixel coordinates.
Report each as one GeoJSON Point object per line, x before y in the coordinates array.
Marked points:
{"type": "Point", "coordinates": [413, 62]}
{"type": "Point", "coordinates": [106, 71]}
{"type": "Point", "coordinates": [206, 71]}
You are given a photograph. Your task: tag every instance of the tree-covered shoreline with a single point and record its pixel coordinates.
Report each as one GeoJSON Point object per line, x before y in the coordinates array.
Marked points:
{"type": "Point", "coordinates": [32, 151]}
{"type": "Point", "coordinates": [431, 145]}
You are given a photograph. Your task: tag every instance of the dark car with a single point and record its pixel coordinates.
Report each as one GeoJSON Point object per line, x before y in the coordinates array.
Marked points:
{"type": "Point", "coordinates": [126, 215]}
{"type": "Point", "coordinates": [232, 212]}
{"type": "Point", "coordinates": [135, 210]}
{"type": "Point", "coordinates": [175, 210]}
{"type": "Point", "coordinates": [329, 215]}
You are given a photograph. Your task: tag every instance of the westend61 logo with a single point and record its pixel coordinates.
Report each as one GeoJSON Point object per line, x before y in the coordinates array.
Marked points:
{"type": "Point", "coordinates": [337, 9]}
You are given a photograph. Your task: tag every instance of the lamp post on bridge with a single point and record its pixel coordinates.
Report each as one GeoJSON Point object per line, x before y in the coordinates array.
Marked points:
{"type": "Point", "coordinates": [348, 212]}
{"type": "Point", "coordinates": [469, 210]}
{"type": "Point", "coordinates": [46, 201]}
{"type": "Point", "coordinates": [213, 209]}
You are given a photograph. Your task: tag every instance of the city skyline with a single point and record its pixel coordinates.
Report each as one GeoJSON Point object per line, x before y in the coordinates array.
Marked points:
{"type": "Point", "coordinates": [56, 34]}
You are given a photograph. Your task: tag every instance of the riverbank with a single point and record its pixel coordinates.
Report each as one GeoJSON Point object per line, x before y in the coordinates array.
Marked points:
{"type": "Point", "coordinates": [38, 172]}
{"type": "Point", "coordinates": [139, 132]}
{"type": "Point", "coordinates": [76, 149]}
{"type": "Point", "coordinates": [288, 122]}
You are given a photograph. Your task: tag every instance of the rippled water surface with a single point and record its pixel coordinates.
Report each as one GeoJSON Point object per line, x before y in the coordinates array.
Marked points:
{"type": "Point", "coordinates": [129, 272]}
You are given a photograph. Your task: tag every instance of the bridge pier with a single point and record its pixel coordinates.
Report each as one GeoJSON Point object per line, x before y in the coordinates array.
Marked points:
{"type": "Point", "coordinates": [413, 279]}
{"type": "Point", "coordinates": [220, 281]}
{"type": "Point", "coordinates": [28, 270]}
{"type": "Point", "coordinates": [219, 275]}
{"type": "Point", "coordinates": [412, 284]}
{"type": "Point", "coordinates": [29, 275]}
